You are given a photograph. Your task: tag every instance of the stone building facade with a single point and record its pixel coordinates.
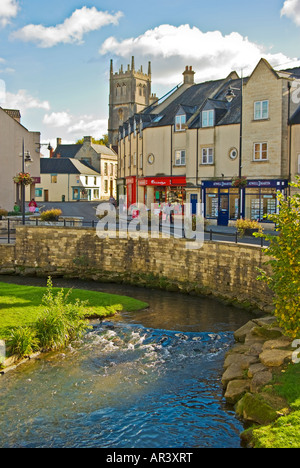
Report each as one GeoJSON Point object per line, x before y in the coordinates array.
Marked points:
{"type": "Point", "coordinates": [98, 158]}
{"type": "Point", "coordinates": [191, 147]}
{"type": "Point", "coordinates": [12, 135]}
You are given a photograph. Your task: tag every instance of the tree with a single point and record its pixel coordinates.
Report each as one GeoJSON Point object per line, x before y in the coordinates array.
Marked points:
{"type": "Point", "coordinates": [102, 141]}
{"type": "Point", "coordinates": [284, 253]}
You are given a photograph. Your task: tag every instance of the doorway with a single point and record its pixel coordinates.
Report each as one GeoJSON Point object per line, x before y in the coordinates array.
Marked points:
{"type": "Point", "coordinates": [223, 216]}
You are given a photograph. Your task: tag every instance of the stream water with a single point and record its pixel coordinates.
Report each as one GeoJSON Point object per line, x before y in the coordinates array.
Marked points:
{"type": "Point", "coordinates": [148, 379]}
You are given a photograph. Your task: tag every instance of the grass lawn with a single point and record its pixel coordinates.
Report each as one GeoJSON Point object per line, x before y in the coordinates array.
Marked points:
{"type": "Point", "coordinates": [285, 432]}
{"type": "Point", "coordinates": [21, 305]}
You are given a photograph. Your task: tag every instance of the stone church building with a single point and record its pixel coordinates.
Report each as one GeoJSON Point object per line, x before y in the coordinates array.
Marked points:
{"type": "Point", "coordinates": [130, 93]}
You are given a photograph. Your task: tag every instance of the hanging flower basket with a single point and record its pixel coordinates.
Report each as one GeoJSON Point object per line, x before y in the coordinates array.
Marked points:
{"type": "Point", "coordinates": [239, 182]}
{"type": "Point", "coordinates": [23, 178]}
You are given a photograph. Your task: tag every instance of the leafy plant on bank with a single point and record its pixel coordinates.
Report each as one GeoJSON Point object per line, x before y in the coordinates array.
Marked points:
{"type": "Point", "coordinates": [61, 321]}
{"type": "Point", "coordinates": [22, 341]}
{"type": "Point", "coordinates": [284, 254]}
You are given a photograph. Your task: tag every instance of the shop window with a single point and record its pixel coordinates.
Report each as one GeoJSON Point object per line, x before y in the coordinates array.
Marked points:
{"type": "Point", "coordinates": [180, 158]}
{"type": "Point", "coordinates": [208, 118]}
{"type": "Point", "coordinates": [207, 156]}
{"type": "Point", "coordinates": [38, 192]}
{"type": "Point", "coordinates": [260, 203]}
{"type": "Point", "coordinates": [261, 110]}
{"type": "Point", "coordinates": [106, 186]}
{"type": "Point", "coordinates": [212, 203]}
{"type": "Point", "coordinates": [260, 152]}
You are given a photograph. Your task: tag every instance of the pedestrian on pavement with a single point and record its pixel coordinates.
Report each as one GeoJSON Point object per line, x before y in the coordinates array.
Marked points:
{"type": "Point", "coordinates": [32, 206]}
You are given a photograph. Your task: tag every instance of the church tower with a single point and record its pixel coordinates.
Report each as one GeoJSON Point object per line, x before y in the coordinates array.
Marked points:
{"type": "Point", "coordinates": [130, 93]}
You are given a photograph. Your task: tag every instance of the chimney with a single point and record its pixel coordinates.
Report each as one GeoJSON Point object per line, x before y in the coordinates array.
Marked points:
{"type": "Point", "coordinates": [51, 151]}
{"type": "Point", "coordinates": [58, 141]}
{"type": "Point", "coordinates": [87, 140]}
{"type": "Point", "coordinates": [188, 76]}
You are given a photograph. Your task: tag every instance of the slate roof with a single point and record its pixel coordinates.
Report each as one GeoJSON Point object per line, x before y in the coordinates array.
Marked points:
{"type": "Point", "coordinates": [295, 119]}
{"type": "Point", "coordinates": [65, 166]}
{"type": "Point", "coordinates": [204, 96]}
{"type": "Point", "coordinates": [67, 151]}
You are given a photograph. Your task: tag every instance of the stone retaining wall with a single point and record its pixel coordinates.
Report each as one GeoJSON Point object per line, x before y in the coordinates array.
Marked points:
{"type": "Point", "coordinates": [226, 270]}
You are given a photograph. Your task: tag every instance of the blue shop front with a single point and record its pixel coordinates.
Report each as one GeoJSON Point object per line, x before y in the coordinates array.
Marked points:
{"type": "Point", "coordinates": [257, 199]}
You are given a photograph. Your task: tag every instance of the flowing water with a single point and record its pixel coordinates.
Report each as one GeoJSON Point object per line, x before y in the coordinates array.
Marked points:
{"type": "Point", "coordinates": [148, 379]}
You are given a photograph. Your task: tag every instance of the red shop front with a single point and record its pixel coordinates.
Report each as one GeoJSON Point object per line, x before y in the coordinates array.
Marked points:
{"type": "Point", "coordinates": [160, 190]}
{"type": "Point", "coordinates": [131, 191]}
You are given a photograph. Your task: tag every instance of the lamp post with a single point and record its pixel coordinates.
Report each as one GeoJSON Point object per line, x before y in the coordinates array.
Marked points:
{"type": "Point", "coordinates": [26, 159]}
{"type": "Point", "coordinates": [229, 97]}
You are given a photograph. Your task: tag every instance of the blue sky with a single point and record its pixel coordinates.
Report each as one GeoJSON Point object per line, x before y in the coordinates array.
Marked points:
{"type": "Point", "coordinates": [54, 58]}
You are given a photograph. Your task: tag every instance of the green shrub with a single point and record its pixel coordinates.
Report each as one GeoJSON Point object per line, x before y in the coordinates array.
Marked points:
{"type": "Point", "coordinates": [243, 224]}
{"type": "Point", "coordinates": [61, 321]}
{"type": "Point", "coordinates": [51, 215]}
{"type": "Point", "coordinates": [3, 212]}
{"type": "Point", "coordinates": [284, 253]}
{"type": "Point", "coordinates": [22, 341]}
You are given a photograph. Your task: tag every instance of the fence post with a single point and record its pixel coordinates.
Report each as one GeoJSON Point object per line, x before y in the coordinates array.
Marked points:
{"type": "Point", "coordinates": [8, 230]}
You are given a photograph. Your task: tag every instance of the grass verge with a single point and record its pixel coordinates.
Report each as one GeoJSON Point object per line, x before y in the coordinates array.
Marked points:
{"type": "Point", "coordinates": [285, 431]}
{"type": "Point", "coordinates": [20, 306]}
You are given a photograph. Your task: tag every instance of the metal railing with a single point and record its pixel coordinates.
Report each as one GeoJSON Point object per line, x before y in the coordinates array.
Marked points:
{"type": "Point", "coordinates": [8, 230]}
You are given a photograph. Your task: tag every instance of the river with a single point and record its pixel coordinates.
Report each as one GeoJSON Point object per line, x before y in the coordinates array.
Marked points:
{"type": "Point", "coordinates": [148, 379]}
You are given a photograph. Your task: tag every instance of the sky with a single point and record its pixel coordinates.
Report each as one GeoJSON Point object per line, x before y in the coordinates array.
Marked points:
{"type": "Point", "coordinates": [55, 56]}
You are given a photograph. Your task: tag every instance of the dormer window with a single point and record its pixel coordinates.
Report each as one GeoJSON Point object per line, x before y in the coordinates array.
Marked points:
{"type": "Point", "coordinates": [208, 118]}
{"type": "Point", "coordinates": [180, 123]}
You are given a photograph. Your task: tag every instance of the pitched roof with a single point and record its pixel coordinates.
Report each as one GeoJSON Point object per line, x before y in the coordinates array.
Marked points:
{"type": "Point", "coordinates": [65, 166]}
{"type": "Point", "coordinates": [66, 151]}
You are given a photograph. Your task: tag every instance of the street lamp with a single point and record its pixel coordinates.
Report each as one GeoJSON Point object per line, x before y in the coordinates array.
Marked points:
{"type": "Point", "coordinates": [26, 160]}
{"type": "Point", "coordinates": [229, 97]}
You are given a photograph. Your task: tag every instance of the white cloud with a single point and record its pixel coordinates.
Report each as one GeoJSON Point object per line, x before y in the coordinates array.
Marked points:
{"type": "Point", "coordinates": [23, 101]}
{"type": "Point", "coordinates": [211, 54]}
{"type": "Point", "coordinates": [57, 119]}
{"type": "Point", "coordinates": [88, 125]}
{"type": "Point", "coordinates": [8, 10]}
{"type": "Point", "coordinates": [291, 9]}
{"type": "Point", "coordinates": [70, 31]}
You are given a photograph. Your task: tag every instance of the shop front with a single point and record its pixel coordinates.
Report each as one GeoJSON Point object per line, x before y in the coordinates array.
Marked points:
{"type": "Point", "coordinates": [164, 190]}
{"type": "Point", "coordinates": [131, 191]}
{"type": "Point", "coordinates": [258, 199]}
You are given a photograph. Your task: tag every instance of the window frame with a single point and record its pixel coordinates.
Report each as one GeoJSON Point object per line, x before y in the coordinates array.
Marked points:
{"type": "Point", "coordinates": [181, 158]}
{"type": "Point", "coordinates": [180, 126]}
{"type": "Point", "coordinates": [261, 151]}
{"type": "Point", "coordinates": [209, 118]}
{"type": "Point", "coordinates": [209, 162]}
{"type": "Point", "coordinates": [261, 115]}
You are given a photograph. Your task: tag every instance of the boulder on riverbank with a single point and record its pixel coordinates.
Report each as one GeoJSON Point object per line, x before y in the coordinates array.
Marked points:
{"type": "Point", "coordinates": [261, 350]}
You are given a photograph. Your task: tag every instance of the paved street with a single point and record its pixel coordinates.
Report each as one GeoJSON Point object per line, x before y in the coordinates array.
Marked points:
{"type": "Point", "coordinates": [85, 210]}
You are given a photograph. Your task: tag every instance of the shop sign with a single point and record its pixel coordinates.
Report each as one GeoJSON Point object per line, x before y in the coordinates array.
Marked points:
{"type": "Point", "coordinates": [130, 180]}
{"type": "Point", "coordinates": [36, 180]}
{"type": "Point", "coordinates": [162, 181]}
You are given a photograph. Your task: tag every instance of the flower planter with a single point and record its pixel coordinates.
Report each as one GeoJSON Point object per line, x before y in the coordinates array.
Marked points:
{"type": "Point", "coordinates": [250, 232]}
